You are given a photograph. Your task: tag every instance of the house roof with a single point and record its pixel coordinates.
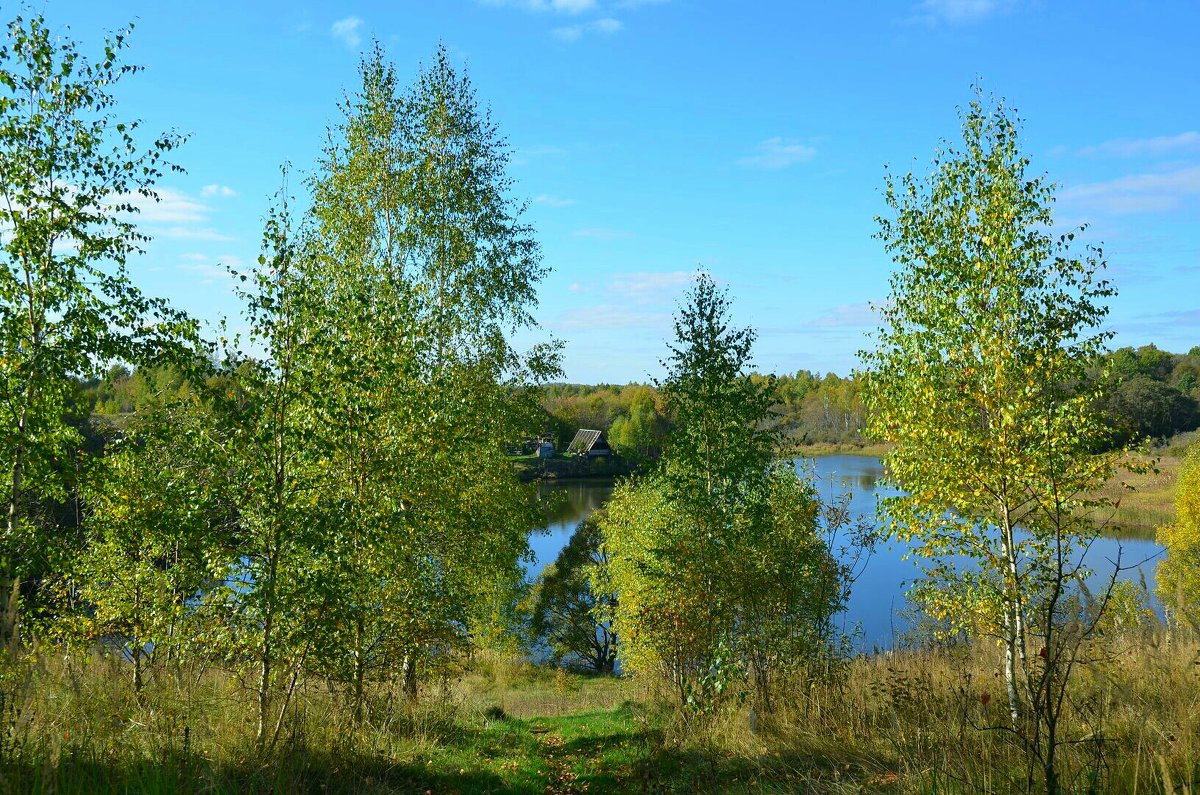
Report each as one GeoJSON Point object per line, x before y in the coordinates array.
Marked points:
{"type": "Point", "coordinates": [585, 440]}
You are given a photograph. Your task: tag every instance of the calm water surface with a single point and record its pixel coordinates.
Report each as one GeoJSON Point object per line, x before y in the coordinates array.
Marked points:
{"type": "Point", "coordinates": [875, 612]}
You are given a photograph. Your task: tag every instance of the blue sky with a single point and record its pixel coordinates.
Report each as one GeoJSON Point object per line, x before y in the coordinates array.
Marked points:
{"type": "Point", "coordinates": [655, 137]}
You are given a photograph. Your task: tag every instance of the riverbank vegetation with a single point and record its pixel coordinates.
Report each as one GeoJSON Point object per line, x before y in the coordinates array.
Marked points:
{"type": "Point", "coordinates": [914, 721]}
{"type": "Point", "coordinates": [1149, 395]}
{"type": "Point", "coordinates": [295, 561]}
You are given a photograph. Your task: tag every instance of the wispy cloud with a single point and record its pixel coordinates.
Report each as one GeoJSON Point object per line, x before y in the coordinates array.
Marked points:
{"type": "Point", "coordinates": [347, 31]}
{"type": "Point", "coordinates": [1137, 193]}
{"type": "Point", "coordinates": [606, 26]}
{"type": "Point", "coordinates": [959, 12]}
{"type": "Point", "coordinates": [191, 233]}
{"type": "Point", "coordinates": [603, 233]}
{"type": "Point", "coordinates": [1145, 147]}
{"type": "Point", "coordinates": [552, 201]}
{"type": "Point", "coordinates": [543, 6]}
{"type": "Point", "coordinates": [210, 270]}
{"type": "Point", "coordinates": [172, 206]}
{"type": "Point", "coordinates": [524, 155]}
{"type": "Point", "coordinates": [224, 191]}
{"type": "Point", "coordinates": [1178, 324]}
{"type": "Point", "coordinates": [568, 34]}
{"type": "Point", "coordinates": [647, 286]}
{"type": "Point", "coordinates": [610, 316]}
{"type": "Point", "coordinates": [777, 153]}
{"type": "Point", "coordinates": [1183, 317]}
{"type": "Point", "coordinates": [176, 215]}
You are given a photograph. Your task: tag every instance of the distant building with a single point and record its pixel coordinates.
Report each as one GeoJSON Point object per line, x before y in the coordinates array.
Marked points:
{"type": "Point", "coordinates": [589, 443]}
{"type": "Point", "coordinates": [545, 449]}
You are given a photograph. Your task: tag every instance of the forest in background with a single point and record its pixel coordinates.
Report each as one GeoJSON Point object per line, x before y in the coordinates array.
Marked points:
{"type": "Point", "coordinates": [1152, 395]}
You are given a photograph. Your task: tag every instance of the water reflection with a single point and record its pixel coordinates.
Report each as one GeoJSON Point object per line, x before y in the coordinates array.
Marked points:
{"type": "Point", "coordinates": [875, 614]}
{"type": "Point", "coordinates": [569, 503]}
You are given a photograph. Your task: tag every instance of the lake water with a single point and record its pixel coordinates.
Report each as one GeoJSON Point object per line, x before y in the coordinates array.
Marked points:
{"type": "Point", "coordinates": [875, 611]}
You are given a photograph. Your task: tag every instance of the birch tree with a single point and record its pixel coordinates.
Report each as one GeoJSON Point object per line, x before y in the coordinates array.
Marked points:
{"type": "Point", "coordinates": [71, 176]}
{"type": "Point", "coordinates": [425, 269]}
{"type": "Point", "coordinates": [1179, 574]}
{"type": "Point", "coordinates": [978, 382]}
{"type": "Point", "coordinates": [275, 598]}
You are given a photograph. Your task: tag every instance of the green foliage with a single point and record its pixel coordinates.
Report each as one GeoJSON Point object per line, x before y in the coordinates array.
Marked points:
{"type": "Point", "coordinates": [421, 274]}
{"type": "Point", "coordinates": [988, 331]}
{"type": "Point", "coordinates": [160, 524]}
{"type": "Point", "coordinates": [638, 435]}
{"type": "Point", "coordinates": [1179, 573]}
{"type": "Point", "coordinates": [569, 407]}
{"type": "Point", "coordinates": [1150, 394]}
{"type": "Point", "coordinates": [716, 557]}
{"type": "Point", "coordinates": [821, 410]}
{"type": "Point", "coordinates": [275, 597]}
{"type": "Point", "coordinates": [121, 392]}
{"type": "Point", "coordinates": [70, 175]}
{"type": "Point", "coordinates": [1141, 408]}
{"type": "Point", "coordinates": [572, 618]}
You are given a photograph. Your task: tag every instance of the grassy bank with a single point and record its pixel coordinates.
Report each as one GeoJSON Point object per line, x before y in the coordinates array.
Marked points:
{"type": "Point", "coordinates": [919, 721]}
{"type": "Point", "coordinates": [572, 467]}
{"type": "Point", "coordinates": [1144, 500]}
{"type": "Point", "coordinates": [831, 448]}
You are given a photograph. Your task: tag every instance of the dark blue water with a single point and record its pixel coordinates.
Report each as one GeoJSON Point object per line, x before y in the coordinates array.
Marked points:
{"type": "Point", "coordinates": [572, 501]}
{"type": "Point", "coordinates": [875, 616]}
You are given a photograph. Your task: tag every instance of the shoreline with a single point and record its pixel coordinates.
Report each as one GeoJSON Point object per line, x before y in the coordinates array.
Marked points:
{"type": "Point", "coordinates": [555, 470]}
{"type": "Point", "coordinates": [820, 449]}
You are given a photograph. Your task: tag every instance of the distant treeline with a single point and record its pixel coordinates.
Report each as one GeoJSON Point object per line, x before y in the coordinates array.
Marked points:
{"type": "Point", "coordinates": [1153, 395]}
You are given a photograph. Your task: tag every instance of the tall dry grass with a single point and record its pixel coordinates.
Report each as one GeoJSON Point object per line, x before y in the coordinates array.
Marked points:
{"type": "Point", "coordinates": [911, 721]}
{"type": "Point", "coordinates": [934, 721]}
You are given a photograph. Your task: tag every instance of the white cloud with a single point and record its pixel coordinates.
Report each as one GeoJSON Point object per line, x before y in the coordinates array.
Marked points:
{"type": "Point", "coordinates": [776, 153]}
{"type": "Point", "coordinates": [606, 26]}
{"type": "Point", "coordinates": [1137, 193]}
{"type": "Point", "coordinates": [191, 233]}
{"type": "Point", "coordinates": [347, 31]}
{"type": "Point", "coordinates": [172, 206]}
{"type": "Point", "coordinates": [525, 154]}
{"type": "Point", "coordinates": [646, 286]}
{"type": "Point", "coordinates": [609, 316]}
{"type": "Point", "coordinates": [224, 191]}
{"type": "Point", "coordinates": [958, 11]}
{"type": "Point", "coordinates": [175, 214]}
{"type": "Point", "coordinates": [542, 6]}
{"type": "Point", "coordinates": [1164, 325]}
{"type": "Point", "coordinates": [210, 270]}
{"type": "Point", "coordinates": [568, 34]}
{"type": "Point", "coordinates": [552, 201]}
{"type": "Point", "coordinates": [1145, 147]}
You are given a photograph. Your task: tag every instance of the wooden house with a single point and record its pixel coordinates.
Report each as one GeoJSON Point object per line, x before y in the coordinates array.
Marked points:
{"type": "Point", "coordinates": [589, 443]}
